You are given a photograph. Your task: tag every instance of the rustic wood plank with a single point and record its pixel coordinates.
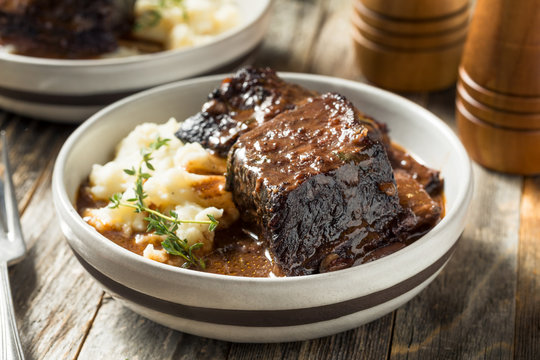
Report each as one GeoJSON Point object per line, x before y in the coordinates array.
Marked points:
{"type": "Point", "coordinates": [468, 311]}
{"type": "Point", "coordinates": [195, 347]}
{"type": "Point", "coordinates": [469, 306]}
{"type": "Point", "coordinates": [527, 336]}
{"type": "Point", "coordinates": [48, 283]}
{"type": "Point", "coordinates": [291, 34]}
{"type": "Point", "coordinates": [118, 333]}
{"type": "Point", "coordinates": [31, 145]}
{"type": "Point", "coordinates": [333, 52]}
{"type": "Point", "coordinates": [369, 341]}
{"type": "Point", "coordinates": [53, 296]}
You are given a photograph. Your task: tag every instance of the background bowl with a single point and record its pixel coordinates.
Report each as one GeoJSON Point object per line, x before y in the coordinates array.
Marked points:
{"type": "Point", "coordinates": [253, 309]}
{"type": "Point", "coordinates": [72, 90]}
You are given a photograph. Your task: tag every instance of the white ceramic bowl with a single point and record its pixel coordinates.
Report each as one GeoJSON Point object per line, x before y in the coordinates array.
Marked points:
{"type": "Point", "coordinates": [72, 90]}
{"type": "Point", "coordinates": [252, 309]}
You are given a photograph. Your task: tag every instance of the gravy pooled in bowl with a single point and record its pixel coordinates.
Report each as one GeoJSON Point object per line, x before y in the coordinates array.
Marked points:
{"type": "Point", "coordinates": [315, 186]}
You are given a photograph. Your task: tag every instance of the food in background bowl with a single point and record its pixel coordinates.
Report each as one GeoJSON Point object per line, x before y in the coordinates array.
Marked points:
{"type": "Point", "coordinates": [177, 24]}
{"type": "Point", "coordinates": [67, 28]}
{"type": "Point", "coordinates": [319, 185]}
{"type": "Point", "coordinates": [71, 90]}
{"type": "Point", "coordinates": [111, 28]}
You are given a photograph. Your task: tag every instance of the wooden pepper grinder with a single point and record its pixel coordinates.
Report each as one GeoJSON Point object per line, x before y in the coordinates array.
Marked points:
{"type": "Point", "coordinates": [498, 92]}
{"type": "Point", "coordinates": [410, 45]}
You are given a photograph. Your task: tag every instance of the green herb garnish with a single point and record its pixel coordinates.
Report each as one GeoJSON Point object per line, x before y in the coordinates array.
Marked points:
{"type": "Point", "coordinates": [152, 17]}
{"type": "Point", "coordinates": [148, 19]}
{"type": "Point", "coordinates": [159, 223]}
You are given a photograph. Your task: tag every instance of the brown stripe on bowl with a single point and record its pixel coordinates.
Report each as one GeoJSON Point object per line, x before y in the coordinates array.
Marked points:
{"type": "Point", "coordinates": [267, 318]}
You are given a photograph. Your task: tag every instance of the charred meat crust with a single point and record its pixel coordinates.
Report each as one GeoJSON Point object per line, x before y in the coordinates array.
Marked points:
{"type": "Point", "coordinates": [318, 181]}
{"type": "Point", "coordinates": [313, 173]}
{"type": "Point", "coordinates": [241, 103]}
{"type": "Point", "coordinates": [67, 28]}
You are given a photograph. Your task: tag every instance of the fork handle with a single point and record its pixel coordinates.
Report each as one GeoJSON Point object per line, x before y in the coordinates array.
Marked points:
{"type": "Point", "coordinates": [10, 345]}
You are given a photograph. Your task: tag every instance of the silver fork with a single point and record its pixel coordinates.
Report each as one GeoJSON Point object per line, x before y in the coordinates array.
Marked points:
{"type": "Point", "coordinates": [12, 249]}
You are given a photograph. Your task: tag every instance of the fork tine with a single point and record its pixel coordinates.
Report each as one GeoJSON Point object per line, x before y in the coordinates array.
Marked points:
{"type": "Point", "coordinates": [12, 213]}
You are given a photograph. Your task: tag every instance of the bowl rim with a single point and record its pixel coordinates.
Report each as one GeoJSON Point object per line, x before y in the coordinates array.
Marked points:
{"type": "Point", "coordinates": [139, 58]}
{"type": "Point", "coordinates": [64, 205]}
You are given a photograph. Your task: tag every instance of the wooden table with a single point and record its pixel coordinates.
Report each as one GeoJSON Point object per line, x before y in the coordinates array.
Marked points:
{"type": "Point", "coordinates": [485, 303]}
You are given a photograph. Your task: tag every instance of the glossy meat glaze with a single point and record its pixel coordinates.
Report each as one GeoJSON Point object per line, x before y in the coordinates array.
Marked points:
{"type": "Point", "coordinates": [239, 104]}
{"type": "Point", "coordinates": [315, 175]}
{"type": "Point", "coordinates": [318, 182]}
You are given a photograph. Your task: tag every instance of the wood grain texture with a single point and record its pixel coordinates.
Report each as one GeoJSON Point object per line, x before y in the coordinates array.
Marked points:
{"type": "Point", "coordinates": [408, 42]}
{"type": "Point", "coordinates": [509, 150]}
{"type": "Point", "coordinates": [288, 44]}
{"type": "Point", "coordinates": [411, 27]}
{"type": "Point", "coordinates": [32, 145]}
{"type": "Point", "coordinates": [468, 311]}
{"type": "Point", "coordinates": [368, 341]}
{"type": "Point", "coordinates": [527, 335]}
{"type": "Point", "coordinates": [498, 117]}
{"type": "Point", "coordinates": [54, 297]}
{"type": "Point", "coordinates": [497, 100]}
{"type": "Point", "coordinates": [500, 86]}
{"type": "Point", "coordinates": [413, 70]}
{"type": "Point", "coordinates": [415, 9]}
{"type": "Point", "coordinates": [340, 60]}
{"type": "Point", "coordinates": [502, 51]}
{"type": "Point", "coordinates": [118, 333]}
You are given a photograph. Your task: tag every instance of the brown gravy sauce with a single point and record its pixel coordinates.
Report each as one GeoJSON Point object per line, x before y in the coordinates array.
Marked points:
{"type": "Point", "coordinates": [237, 251]}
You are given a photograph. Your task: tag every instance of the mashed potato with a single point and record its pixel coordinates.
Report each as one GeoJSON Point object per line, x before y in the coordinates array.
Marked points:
{"type": "Point", "coordinates": [176, 184]}
{"type": "Point", "coordinates": [181, 23]}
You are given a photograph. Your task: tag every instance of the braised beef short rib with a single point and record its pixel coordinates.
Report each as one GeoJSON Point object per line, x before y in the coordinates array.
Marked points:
{"type": "Point", "coordinates": [318, 182]}
{"type": "Point", "coordinates": [315, 175]}
{"type": "Point", "coordinates": [65, 28]}
{"type": "Point", "coordinates": [241, 103]}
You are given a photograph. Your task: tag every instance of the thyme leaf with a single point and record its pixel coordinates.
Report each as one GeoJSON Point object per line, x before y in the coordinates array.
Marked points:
{"type": "Point", "coordinates": [157, 222]}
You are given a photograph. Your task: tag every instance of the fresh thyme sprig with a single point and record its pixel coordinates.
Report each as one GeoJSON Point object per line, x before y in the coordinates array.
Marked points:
{"type": "Point", "coordinates": [159, 223]}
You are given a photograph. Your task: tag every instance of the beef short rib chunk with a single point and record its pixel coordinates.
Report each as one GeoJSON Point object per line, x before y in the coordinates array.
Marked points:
{"type": "Point", "coordinates": [241, 103]}
{"type": "Point", "coordinates": [429, 179]}
{"type": "Point", "coordinates": [318, 182]}
{"type": "Point", "coordinates": [413, 196]}
{"type": "Point", "coordinates": [65, 28]}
